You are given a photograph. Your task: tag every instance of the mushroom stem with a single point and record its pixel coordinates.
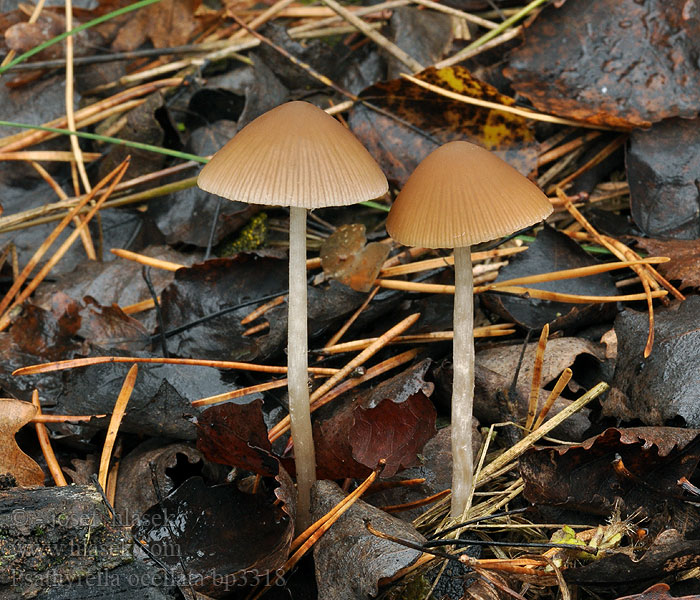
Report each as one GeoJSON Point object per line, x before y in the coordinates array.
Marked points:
{"type": "Point", "coordinates": [297, 364]}
{"type": "Point", "coordinates": [462, 384]}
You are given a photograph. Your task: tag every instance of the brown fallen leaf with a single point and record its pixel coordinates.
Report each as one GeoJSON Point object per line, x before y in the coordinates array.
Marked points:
{"type": "Point", "coordinates": [684, 265]}
{"type": "Point", "coordinates": [167, 23]}
{"type": "Point", "coordinates": [346, 258]}
{"type": "Point", "coordinates": [15, 415]}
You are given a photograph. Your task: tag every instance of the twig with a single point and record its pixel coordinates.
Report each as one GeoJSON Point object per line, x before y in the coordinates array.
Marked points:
{"type": "Point", "coordinates": [375, 36]}
{"type": "Point", "coordinates": [45, 443]}
{"type": "Point", "coordinates": [115, 422]}
{"type": "Point", "coordinates": [116, 174]}
{"type": "Point", "coordinates": [198, 362]}
{"type": "Point", "coordinates": [536, 378]}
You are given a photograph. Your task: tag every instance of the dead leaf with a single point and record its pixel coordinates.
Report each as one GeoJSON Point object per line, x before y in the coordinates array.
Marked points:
{"type": "Point", "coordinates": [621, 63]}
{"type": "Point", "coordinates": [350, 561]}
{"type": "Point", "coordinates": [437, 120]}
{"type": "Point", "coordinates": [684, 265]}
{"type": "Point", "coordinates": [223, 536]}
{"type": "Point", "coordinates": [658, 591]}
{"type": "Point", "coordinates": [15, 415]}
{"type": "Point", "coordinates": [636, 467]}
{"type": "Point", "coordinates": [166, 23]}
{"type": "Point", "coordinates": [345, 257]}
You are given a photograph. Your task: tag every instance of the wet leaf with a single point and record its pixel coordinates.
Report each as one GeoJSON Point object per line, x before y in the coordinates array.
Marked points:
{"type": "Point", "coordinates": [208, 288]}
{"type": "Point", "coordinates": [105, 326]}
{"type": "Point", "coordinates": [589, 478]}
{"type": "Point", "coordinates": [350, 561]}
{"type": "Point", "coordinates": [160, 405]}
{"type": "Point", "coordinates": [424, 35]}
{"type": "Point", "coordinates": [662, 170]}
{"type": "Point", "coordinates": [438, 120]}
{"type": "Point", "coordinates": [553, 251]}
{"type": "Point", "coordinates": [392, 421]}
{"type": "Point", "coordinates": [118, 281]}
{"type": "Point", "coordinates": [187, 215]}
{"type": "Point", "coordinates": [167, 23]}
{"type": "Point", "coordinates": [623, 63]}
{"type": "Point", "coordinates": [345, 257]}
{"type": "Point", "coordinates": [224, 536]}
{"type": "Point", "coordinates": [172, 465]}
{"type": "Point", "coordinates": [235, 434]}
{"type": "Point", "coordinates": [665, 386]}
{"type": "Point", "coordinates": [684, 265]}
{"type": "Point", "coordinates": [15, 415]}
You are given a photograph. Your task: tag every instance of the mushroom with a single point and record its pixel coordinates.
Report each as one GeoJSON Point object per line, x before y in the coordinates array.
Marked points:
{"type": "Point", "coordinates": [295, 155]}
{"type": "Point", "coordinates": [460, 195]}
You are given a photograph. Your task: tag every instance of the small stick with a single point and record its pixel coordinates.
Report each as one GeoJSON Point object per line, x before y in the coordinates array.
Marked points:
{"type": "Point", "coordinates": [361, 11]}
{"type": "Point", "coordinates": [263, 18]}
{"type": "Point", "coordinates": [420, 338]}
{"type": "Point", "coordinates": [446, 261]}
{"type": "Point", "coordinates": [539, 433]}
{"type": "Point", "coordinates": [262, 309]}
{"type": "Point", "coordinates": [60, 365]}
{"type": "Point", "coordinates": [47, 155]}
{"type": "Point", "coordinates": [42, 435]}
{"type": "Point", "coordinates": [434, 288]}
{"type": "Point", "coordinates": [536, 378]}
{"type": "Point", "coordinates": [30, 137]}
{"type": "Point", "coordinates": [256, 328]}
{"type": "Point", "coordinates": [115, 422]}
{"type": "Point", "coordinates": [375, 36]}
{"type": "Point", "coordinates": [559, 151]}
{"type": "Point", "coordinates": [416, 503]}
{"type": "Point", "coordinates": [253, 389]}
{"type": "Point", "coordinates": [85, 236]}
{"type": "Point", "coordinates": [562, 382]}
{"type": "Point", "coordinates": [365, 355]}
{"type": "Point", "coordinates": [341, 332]}
{"type": "Point", "coordinates": [598, 158]}
{"type": "Point", "coordinates": [142, 259]}
{"type": "Point", "coordinates": [46, 244]}
{"type": "Point", "coordinates": [485, 23]}
{"type": "Point", "coordinates": [138, 307]}
{"type": "Point", "coordinates": [5, 320]}
{"type": "Point", "coordinates": [283, 426]}
{"type": "Point", "coordinates": [43, 418]}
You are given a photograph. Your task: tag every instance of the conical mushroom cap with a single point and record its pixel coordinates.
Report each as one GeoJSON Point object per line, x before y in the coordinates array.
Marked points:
{"type": "Point", "coordinates": [294, 155]}
{"type": "Point", "coordinates": [460, 195]}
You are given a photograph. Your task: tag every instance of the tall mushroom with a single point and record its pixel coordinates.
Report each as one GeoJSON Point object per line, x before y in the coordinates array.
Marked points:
{"type": "Point", "coordinates": [295, 155]}
{"type": "Point", "coordinates": [460, 195]}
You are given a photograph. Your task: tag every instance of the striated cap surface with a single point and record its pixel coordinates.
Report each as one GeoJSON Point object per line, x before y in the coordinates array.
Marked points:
{"type": "Point", "coordinates": [462, 194]}
{"type": "Point", "coordinates": [294, 155]}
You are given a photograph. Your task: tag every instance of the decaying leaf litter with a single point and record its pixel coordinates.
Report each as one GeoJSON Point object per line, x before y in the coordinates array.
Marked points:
{"type": "Point", "coordinates": [594, 102]}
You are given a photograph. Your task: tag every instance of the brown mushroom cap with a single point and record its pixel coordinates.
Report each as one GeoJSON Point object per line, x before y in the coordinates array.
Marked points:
{"type": "Point", "coordinates": [462, 194]}
{"type": "Point", "coordinates": [294, 155]}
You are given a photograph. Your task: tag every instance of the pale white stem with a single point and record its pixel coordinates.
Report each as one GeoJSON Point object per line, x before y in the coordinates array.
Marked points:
{"type": "Point", "coordinates": [462, 384]}
{"type": "Point", "coordinates": [297, 363]}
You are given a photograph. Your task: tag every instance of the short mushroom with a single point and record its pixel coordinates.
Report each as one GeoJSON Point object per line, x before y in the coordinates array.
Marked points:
{"type": "Point", "coordinates": [296, 155]}
{"type": "Point", "coordinates": [460, 195]}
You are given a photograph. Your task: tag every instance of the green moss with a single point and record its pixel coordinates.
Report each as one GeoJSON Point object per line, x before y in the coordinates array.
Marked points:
{"type": "Point", "coordinates": [252, 236]}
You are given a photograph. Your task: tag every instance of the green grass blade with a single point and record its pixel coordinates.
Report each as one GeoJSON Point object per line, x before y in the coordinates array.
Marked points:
{"type": "Point", "coordinates": [58, 38]}
{"type": "Point", "coordinates": [110, 140]}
